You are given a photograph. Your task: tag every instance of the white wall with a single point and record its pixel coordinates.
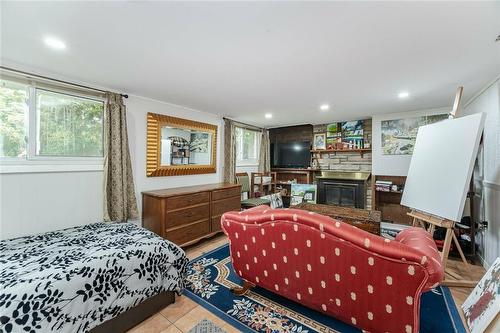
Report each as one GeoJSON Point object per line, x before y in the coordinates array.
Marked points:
{"type": "Point", "coordinates": [43, 201]}
{"type": "Point", "coordinates": [393, 165]}
{"type": "Point", "coordinates": [137, 109]}
{"type": "Point", "coordinates": [488, 102]}
{"type": "Point", "coordinates": [37, 202]}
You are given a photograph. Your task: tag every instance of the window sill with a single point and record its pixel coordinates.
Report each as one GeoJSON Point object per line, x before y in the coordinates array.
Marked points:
{"type": "Point", "coordinates": [247, 165]}
{"type": "Point", "coordinates": [12, 168]}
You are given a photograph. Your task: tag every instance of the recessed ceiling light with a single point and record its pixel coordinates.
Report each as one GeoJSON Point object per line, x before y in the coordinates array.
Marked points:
{"type": "Point", "coordinates": [268, 115]}
{"type": "Point", "coordinates": [324, 107]}
{"type": "Point", "coordinates": [54, 43]}
{"type": "Point", "coordinates": [403, 94]}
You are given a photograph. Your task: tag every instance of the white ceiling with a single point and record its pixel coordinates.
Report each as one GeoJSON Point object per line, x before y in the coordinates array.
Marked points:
{"type": "Point", "coordinates": [245, 59]}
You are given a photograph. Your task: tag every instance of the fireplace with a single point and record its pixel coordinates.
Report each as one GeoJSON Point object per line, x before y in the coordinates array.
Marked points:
{"type": "Point", "coordinates": [343, 188]}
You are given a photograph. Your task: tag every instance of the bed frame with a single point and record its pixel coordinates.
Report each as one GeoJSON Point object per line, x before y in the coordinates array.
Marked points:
{"type": "Point", "coordinates": [136, 315]}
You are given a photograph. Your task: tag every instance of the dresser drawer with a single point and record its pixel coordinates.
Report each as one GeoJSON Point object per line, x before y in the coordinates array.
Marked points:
{"type": "Point", "coordinates": [226, 193]}
{"type": "Point", "coordinates": [187, 200]}
{"type": "Point", "coordinates": [221, 206]}
{"type": "Point", "coordinates": [187, 215]}
{"type": "Point", "coordinates": [215, 225]}
{"type": "Point", "coordinates": [188, 233]}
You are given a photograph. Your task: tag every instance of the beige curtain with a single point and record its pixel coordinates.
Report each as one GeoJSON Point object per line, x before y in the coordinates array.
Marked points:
{"type": "Point", "coordinates": [119, 196]}
{"type": "Point", "coordinates": [265, 152]}
{"type": "Point", "coordinates": [229, 151]}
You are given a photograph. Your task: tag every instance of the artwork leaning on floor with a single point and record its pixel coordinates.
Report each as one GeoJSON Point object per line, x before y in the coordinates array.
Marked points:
{"type": "Point", "coordinates": [303, 193]}
{"type": "Point", "coordinates": [399, 135]}
{"type": "Point", "coordinates": [483, 304]}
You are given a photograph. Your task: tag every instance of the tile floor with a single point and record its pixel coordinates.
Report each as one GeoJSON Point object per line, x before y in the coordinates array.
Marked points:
{"type": "Point", "coordinates": [184, 314]}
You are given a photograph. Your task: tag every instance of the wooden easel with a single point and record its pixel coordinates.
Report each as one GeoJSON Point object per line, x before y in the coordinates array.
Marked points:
{"type": "Point", "coordinates": [421, 218]}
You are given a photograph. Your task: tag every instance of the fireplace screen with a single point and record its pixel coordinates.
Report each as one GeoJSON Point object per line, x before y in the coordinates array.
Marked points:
{"type": "Point", "coordinates": [341, 193]}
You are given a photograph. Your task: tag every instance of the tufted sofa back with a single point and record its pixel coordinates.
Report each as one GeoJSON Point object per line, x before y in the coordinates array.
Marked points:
{"type": "Point", "coordinates": [360, 278]}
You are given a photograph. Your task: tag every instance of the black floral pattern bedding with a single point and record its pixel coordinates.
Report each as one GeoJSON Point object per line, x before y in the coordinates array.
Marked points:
{"type": "Point", "coordinates": [75, 279]}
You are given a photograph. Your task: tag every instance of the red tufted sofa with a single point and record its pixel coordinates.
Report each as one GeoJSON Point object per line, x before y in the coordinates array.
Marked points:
{"type": "Point", "coordinates": [360, 278]}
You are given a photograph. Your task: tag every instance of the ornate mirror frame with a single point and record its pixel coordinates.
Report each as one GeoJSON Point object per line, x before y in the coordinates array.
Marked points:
{"type": "Point", "coordinates": [153, 149]}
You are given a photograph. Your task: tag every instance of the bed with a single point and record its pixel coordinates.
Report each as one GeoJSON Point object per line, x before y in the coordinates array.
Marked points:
{"type": "Point", "coordinates": [98, 277]}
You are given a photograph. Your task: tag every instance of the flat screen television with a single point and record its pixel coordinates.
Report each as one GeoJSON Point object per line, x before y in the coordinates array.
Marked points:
{"type": "Point", "coordinates": [291, 154]}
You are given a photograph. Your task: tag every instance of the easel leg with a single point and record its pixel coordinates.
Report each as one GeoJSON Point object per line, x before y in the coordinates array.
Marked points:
{"type": "Point", "coordinates": [446, 246]}
{"type": "Point", "coordinates": [431, 229]}
{"type": "Point", "coordinates": [459, 248]}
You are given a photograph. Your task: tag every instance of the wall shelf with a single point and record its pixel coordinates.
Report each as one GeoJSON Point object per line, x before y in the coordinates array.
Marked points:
{"type": "Point", "coordinates": [389, 202]}
{"type": "Point", "coordinates": [361, 151]}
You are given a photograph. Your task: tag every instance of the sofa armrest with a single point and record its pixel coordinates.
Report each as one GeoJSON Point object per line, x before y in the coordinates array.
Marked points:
{"type": "Point", "coordinates": [421, 242]}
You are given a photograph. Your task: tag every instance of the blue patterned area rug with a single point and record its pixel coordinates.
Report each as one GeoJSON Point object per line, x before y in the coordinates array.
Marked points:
{"type": "Point", "coordinates": [211, 276]}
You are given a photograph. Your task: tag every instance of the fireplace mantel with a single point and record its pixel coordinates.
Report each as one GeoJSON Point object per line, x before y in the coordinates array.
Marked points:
{"type": "Point", "coordinates": [345, 175]}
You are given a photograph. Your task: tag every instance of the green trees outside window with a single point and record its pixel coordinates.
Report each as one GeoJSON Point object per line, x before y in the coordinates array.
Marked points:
{"type": "Point", "coordinates": [13, 120]}
{"type": "Point", "coordinates": [64, 125]}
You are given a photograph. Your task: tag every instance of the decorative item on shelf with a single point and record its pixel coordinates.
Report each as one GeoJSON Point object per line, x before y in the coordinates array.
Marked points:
{"type": "Point", "coordinates": [319, 141]}
{"type": "Point", "coordinates": [352, 134]}
{"type": "Point", "coordinates": [383, 185]}
{"type": "Point", "coordinates": [333, 135]}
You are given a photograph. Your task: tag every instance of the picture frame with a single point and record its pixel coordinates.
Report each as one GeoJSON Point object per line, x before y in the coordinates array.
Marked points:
{"type": "Point", "coordinates": [176, 146]}
{"type": "Point", "coordinates": [398, 136]}
{"type": "Point", "coordinates": [319, 141]}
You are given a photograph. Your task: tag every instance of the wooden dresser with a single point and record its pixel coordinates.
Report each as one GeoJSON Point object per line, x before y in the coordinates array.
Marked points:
{"type": "Point", "coordinates": [184, 215]}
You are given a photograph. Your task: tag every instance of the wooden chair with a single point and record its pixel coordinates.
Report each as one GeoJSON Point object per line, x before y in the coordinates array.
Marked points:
{"type": "Point", "coordinates": [243, 179]}
{"type": "Point", "coordinates": [265, 188]}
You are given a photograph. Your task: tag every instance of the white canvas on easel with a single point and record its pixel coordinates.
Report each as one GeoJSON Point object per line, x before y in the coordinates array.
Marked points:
{"type": "Point", "coordinates": [441, 166]}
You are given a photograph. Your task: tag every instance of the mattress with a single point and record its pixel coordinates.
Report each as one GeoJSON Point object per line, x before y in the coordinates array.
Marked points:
{"type": "Point", "coordinates": [75, 279]}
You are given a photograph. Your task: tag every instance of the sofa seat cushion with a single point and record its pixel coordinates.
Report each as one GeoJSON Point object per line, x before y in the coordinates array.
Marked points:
{"type": "Point", "coordinates": [421, 241]}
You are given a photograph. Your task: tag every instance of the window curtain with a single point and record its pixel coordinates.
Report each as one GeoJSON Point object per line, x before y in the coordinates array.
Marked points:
{"type": "Point", "coordinates": [265, 152]}
{"type": "Point", "coordinates": [229, 151]}
{"type": "Point", "coordinates": [119, 196]}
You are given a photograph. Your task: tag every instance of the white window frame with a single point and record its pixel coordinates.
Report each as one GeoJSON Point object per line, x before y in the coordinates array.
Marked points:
{"type": "Point", "coordinates": [248, 161]}
{"type": "Point", "coordinates": [34, 163]}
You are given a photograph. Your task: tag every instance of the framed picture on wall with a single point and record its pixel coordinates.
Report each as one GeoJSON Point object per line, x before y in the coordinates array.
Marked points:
{"type": "Point", "coordinates": [398, 136]}
{"type": "Point", "coordinates": [319, 141]}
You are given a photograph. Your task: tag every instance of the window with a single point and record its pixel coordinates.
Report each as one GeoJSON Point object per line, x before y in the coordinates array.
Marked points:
{"type": "Point", "coordinates": [38, 123]}
{"type": "Point", "coordinates": [13, 119]}
{"type": "Point", "coordinates": [247, 146]}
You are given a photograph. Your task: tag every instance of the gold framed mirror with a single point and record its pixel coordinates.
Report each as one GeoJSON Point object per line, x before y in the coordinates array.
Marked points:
{"type": "Point", "coordinates": [177, 146]}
